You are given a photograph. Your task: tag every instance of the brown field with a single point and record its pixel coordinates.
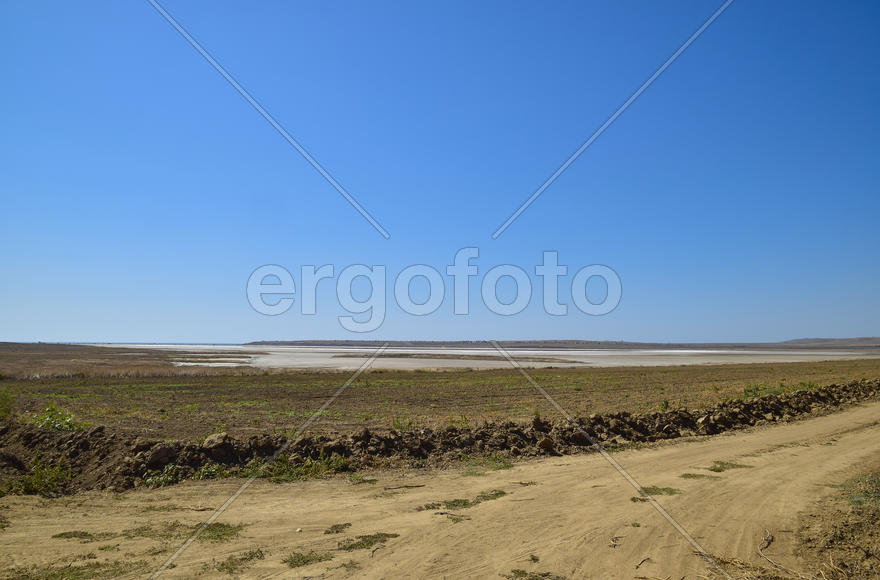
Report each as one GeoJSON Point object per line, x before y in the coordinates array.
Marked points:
{"type": "Point", "coordinates": [141, 392]}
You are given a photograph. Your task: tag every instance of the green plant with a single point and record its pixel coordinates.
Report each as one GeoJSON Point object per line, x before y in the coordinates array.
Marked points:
{"type": "Point", "coordinates": [237, 562]}
{"type": "Point", "coordinates": [7, 402]}
{"type": "Point", "coordinates": [350, 566]}
{"type": "Point", "coordinates": [337, 528]}
{"type": "Point", "coordinates": [654, 490]}
{"type": "Point", "coordinates": [168, 475]}
{"type": "Point", "coordinates": [453, 504]}
{"type": "Point", "coordinates": [105, 569]}
{"type": "Point", "coordinates": [402, 424]}
{"type": "Point", "coordinates": [697, 476]}
{"type": "Point", "coordinates": [364, 542]}
{"type": "Point", "coordinates": [494, 461]}
{"type": "Point", "coordinates": [54, 418]}
{"type": "Point", "coordinates": [358, 479]}
{"type": "Point", "coordinates": [316, 413]}
{"type": "Point", "coordinates": [462, 421]}
{"type": "Point", "coordinates": [719, 466]}
{"type": "Point", "coordinates": [220, 532]}
{"type": "Point", "coordinates": [664, 406]}
{"type": "Point", "coordinates": [298, 559]}
{"type": "Point", "coordinates": [518, 574]}
{"type": "Point", "coordinates": [85, 537]}
{"type": "Point", "coordinates": [284, 470]}
{"type": "Point", "coordinates": [864, 490]}
{"type": "Point", "coordinates": [210, 471]}
{"type": "Point", "coordinates": [46, 480]}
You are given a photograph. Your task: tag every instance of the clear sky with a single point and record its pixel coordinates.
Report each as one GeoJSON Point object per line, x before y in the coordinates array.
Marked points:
{"type": "Point", "coordinates": [737, 198]}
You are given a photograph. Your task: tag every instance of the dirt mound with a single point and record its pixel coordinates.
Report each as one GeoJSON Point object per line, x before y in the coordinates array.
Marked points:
{"type": "Point", "coordinates": [48, 461]}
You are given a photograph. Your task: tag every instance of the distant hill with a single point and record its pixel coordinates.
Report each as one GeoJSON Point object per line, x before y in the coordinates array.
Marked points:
{"type": "Point", "coordinates": [809, 343]}
{"type": "Point", "coordinates": [834, 342]}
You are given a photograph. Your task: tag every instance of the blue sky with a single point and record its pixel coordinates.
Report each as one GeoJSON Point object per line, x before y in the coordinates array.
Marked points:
{"type": "Point", "coordinates": [737, 199]}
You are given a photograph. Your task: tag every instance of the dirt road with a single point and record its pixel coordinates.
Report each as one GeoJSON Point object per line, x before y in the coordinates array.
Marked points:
{"type": "Point", "coordinates": [575, 515]}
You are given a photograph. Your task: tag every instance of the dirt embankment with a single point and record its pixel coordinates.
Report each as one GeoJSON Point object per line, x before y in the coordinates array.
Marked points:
{"type": "Point", "coordinates": [96, 459]}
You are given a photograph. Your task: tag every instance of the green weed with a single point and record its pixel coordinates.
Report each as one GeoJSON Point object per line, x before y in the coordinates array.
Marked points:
{"type": "Point", "coordinates": [284, 470]}
{"type": "Point", "coordinates": [220, 532]}
{"type": "Point", "coordinates": [7, 402]}
{"type": "Point", "coordinates": [698, 476]}
{"type": "Point", "coordinates": [238, 562]}
{"type": "Point", "coordinates": [210, 471]}
{"type": "Point", "coordinates": [45, 480]}
{"type": "Point", "coordinates": [299, 559]}
{"type": "Point", "coordinates": [720, 466]}
{"type": "Point", "coordinates": [654, 490]}
{"type": "Point", "coordinates": [168, 475]}
{"type": "Point", "coordinates": [54, 418]}
{"type": "Point", "coordinates": [337, 528]}
{"type": "Point", "coordinates": [457, 504]}
{"type": "Point", "coordinates": [365, 542]}
{"type": "Point", "coordinates": [84, 537]}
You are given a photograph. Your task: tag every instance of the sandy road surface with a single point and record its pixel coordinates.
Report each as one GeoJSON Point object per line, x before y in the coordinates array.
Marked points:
{"type": "Point", "coordinates": [577, 517]}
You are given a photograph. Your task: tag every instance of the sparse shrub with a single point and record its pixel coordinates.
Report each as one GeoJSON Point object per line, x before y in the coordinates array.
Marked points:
{"type": "Point", "coordinates": [85, 537]}
{"type": "Point", "coordinates": [456, 504]}
{"type": "Point", "coordinates": [237, 562]}
{"type": "Point", "coordinates": [283, 469]}
{"type": "Point", "coordinates": [697, 476]}
{"type": "Point", "coordinates": [720, 466]}
{"type": "Point", "coordinates": [337, 528]}
{"type": "Point", "coordinates": [210, 471]}
{"type": "Point", "coordinates": [216, 532]}
{"type": "Point", "coordinates": [654, 490]}
{"type": "Point", "coordinates": [401, 424]}
{"type": "Point", "coordinates": [299, 559]}
{"type": "Point", "coordinates": [519, 574]}
{"type": "Point", "coordinates": [365, 542]}
{"type": "Point", "coordinates": [7, 402]}
{"type": "Point", "coordinates": [462, 422]}
{"type": "Point", "coordinates": [168, 475]}
{"type": "Point", "coordinates": [358, 479]}
{"type": "Point", "coordinates": [54, 418]}
{"type": "Point", "coordinates": [68, 571]}
{"type": "Point", "coordinates": [46, 480]}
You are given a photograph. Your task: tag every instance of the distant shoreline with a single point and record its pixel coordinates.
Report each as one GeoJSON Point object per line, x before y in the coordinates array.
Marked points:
{"type": "Point", "coordinates": [804, 343]}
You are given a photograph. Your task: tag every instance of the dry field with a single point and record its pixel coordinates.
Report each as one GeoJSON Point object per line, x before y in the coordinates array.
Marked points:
{"type": "Point", "coordinates": [140, 392]}
{"type": "Point", "coordinates": [789, 498]}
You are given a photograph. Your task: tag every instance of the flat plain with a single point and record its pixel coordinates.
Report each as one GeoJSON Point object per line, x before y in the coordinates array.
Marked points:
{"type": "Point", "coordinates": [762, 499]}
